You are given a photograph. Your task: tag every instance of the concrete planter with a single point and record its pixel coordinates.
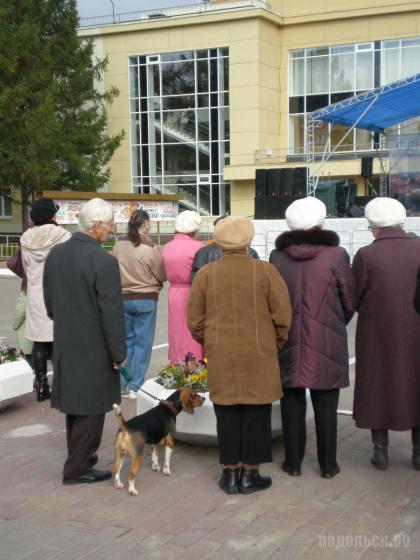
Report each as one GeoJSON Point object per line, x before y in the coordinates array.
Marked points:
{"type": "Point", "coordinates": [16, 379]}
{"type": "Point", "coordinates": [196, 429]}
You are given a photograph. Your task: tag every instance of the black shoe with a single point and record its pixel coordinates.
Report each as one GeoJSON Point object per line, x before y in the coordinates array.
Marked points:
{"type": "Point", "coordinates": [380, 449]}
{"type": "Point", "coordinates": [88, 478]}
{"type": "Point", "coordinates": [331, 473]}
{"type": "Point", "coordinates": [43, 392]}
{"type": "Point", "coordinates": [93, 460]}
{"type": "Point", "coordinates": [229, 481]}
{"type": "Point", "coordinates": [251, 481]}
{"type": "Point", "coordinates": [290, 471]}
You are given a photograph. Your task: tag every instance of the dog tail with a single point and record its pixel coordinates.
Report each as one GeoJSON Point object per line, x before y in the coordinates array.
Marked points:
{"type": "Point", "coordinates": [120, 417]}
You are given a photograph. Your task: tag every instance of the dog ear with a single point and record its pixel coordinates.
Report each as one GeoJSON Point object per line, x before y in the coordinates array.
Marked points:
{"type": "Point", "coordinates": [187, 402]}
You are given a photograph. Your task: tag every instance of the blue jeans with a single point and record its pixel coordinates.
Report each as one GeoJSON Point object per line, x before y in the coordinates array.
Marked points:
{"type": "Point", "coordinates": [140, 325]}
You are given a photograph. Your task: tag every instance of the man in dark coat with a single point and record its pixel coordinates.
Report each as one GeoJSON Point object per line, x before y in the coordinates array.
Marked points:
{"type": "Point", "coordinates": [83, 296]}
{"type": "Point", "coordinates": [212, 253]}
{"type": "Point", "coordinates": [387, 389]}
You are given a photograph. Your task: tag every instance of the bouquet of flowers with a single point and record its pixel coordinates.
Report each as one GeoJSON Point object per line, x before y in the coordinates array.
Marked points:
{"type": "Point", "coordinates": [8, 353]}
{"type": "Point", "coordinates": [188, 373]}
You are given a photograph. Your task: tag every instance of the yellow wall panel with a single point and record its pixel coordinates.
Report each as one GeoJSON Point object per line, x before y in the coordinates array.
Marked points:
{"type": "Point", "coordinates": [246, 74]}
{"type": "Point", "coordinates": [393, 26]}
{"type": "Point", "coordinates": [244, 51]}
{"type": "Point", "coordinates": [244, 99]}
{"type": "Point", "coordinates": [353, 30]}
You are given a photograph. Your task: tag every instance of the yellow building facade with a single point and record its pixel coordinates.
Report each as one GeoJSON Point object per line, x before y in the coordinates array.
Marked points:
{"type": "Point", "coordinates": [278, 61]}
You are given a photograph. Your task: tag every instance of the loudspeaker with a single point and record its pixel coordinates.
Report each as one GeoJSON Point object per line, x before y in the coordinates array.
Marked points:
{"type": "Point", "coordinates": [286, 181]}
{"type": "Point", "coordinates": [299, 183]}
{"type": "Point", "coordinates": [267, 207]}
{"type": "Point", "coordinates": [261, 182]}
{"type": "Point", "coordinates": [366, 167]}
{"type": "Point", "coordinates": [274, 182]}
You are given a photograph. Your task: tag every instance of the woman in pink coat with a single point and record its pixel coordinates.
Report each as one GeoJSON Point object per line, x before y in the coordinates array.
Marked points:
{"type": "Point", "coordinates": [177, 257]}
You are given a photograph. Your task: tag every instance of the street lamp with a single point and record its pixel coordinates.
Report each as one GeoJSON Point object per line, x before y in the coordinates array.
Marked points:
{"type": "Point", "coordinates": [113, 11]}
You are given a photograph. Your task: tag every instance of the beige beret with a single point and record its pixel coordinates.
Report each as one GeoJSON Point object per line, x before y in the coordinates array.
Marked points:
{"type": "Point", "coordinates": [233, 233]}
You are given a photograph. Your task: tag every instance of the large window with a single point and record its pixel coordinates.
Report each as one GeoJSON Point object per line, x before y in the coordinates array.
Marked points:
{"type": "Point", "coordinates": [325, 75]}
{"type": "Point", "coordinates": [179, 106]}
{"type": "Point", "coordinates": [5, 203]}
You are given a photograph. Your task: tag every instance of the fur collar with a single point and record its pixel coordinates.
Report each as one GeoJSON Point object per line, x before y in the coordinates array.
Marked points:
{"type": "Point", "coordinates": [315, 236]}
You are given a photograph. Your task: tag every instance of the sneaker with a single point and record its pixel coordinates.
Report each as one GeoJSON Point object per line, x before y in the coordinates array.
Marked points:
{"type": "Point", "coordinates": [129, 395]}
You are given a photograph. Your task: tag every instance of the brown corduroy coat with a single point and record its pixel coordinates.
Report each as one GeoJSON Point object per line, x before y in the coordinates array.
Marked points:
{"type": "Point", "coordinates": [239, 308]}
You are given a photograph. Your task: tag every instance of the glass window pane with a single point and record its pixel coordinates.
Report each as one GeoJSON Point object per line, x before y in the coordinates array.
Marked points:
{"type": "Point", "coordinates": [223, 74]}
{"type": "Point", "coordinates": [135, 161]}
{"type": "Point", "coordinates": [155, 159]}
{"type": "Point", "coordinates": [314, 102]}
{"type": "Point", "coordinates": [390, 65]}
{"type": "Point", "coordinates": [180, 159]}
{"type": "Point", "coordinates": [203, 118]}
{"type": "Point", "coordinates": [296, 77]}
{"type": "Point", "coordinates": [178, 124]}
{"type": "Point", "coordinates": [364, 70]}
{"type": "Point", "coordinates": [203, 100]}
{"type": "Point", "coordinates": [363, 140]}
{"type": "Point", "coordinates": [337, 133]}
{"type": "Point", "coordinates": [202, 76]}
{"type": "Point", "coordinates": [320, 137]}
{"type": "Point", "coordinates": [224, 51]}
{"type": "Point", "coordinates": [134, 106]}
{"type": "Point", "coordinates": [178, 102]}
{"type": "Point", "coordinates": [223, 98]}
{"type": "Point", "coordinates": [154, 128]}
{"type": "Point", "coordinates": [177, 78]}
{"type": "Point", "coordinates": [189, 194]}
{"type": "Point", "coordinates": [297, 104]}
{"type": "Point", "coordinates": [153, 85]}
{"type": "Point", "coordinates": [183, 55]}
{"type": "Point", "coordinates": [203, 158]}
{"type": "Point", "coordinates": [410, 63]}
{"type": "Point", "coordinates": [135, 129]}
{"type": "Point", "coordinates": [203, 54]}
{"type": "Point", "coordinates": [342, 72]}
{"type": "Point", "coordinates": [317, 52]}
{"type": "Point", "coordinates": [204, 200]}
{"type": "Point", "coordinates": [410, 41]}
{"type": "Point", "coordinates": [296, 135]}
{"type": "Point", "coordinates": [336, 97]}
{"type": "Point", "coordinates": [317, 74]}
{"type": "Point", "coordinates": [297, 54]}
{"type": "Point", "coordinates": [134, 82]}
{"type": "Point", "coordinates": [340, 49]}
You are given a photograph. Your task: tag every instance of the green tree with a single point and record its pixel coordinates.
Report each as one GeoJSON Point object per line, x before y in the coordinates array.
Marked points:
{"type": "Point", "coordinates": [53, 119]}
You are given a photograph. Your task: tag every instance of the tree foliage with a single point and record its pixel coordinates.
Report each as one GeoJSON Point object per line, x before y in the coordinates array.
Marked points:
{"type": "Point", "coordinates": [53, 120]}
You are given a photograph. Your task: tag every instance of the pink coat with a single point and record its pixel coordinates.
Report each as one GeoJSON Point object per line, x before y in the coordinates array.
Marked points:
{"type": "Point", "coordinates": [177, 257]}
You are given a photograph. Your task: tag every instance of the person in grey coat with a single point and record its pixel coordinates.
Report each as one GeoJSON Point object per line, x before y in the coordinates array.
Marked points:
{"type": "Point", "coordinates": [387, 387]}
{"type": "Point", "coordinates": [83, 296]}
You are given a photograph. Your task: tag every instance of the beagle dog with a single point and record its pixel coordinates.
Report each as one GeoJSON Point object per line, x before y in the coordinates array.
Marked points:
{"type": "Point", "coordinates": [155, 426]}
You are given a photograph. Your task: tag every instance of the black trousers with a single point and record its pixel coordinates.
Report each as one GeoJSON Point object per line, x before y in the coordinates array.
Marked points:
{"type": "Point", "coordinates": [293, 416]}
{"type": "Point", "coordinates": [244, 433]}
{"type": "Point", "coordinates": [84, 434]}
{"type": "Point", "coordinates": [41, 353]}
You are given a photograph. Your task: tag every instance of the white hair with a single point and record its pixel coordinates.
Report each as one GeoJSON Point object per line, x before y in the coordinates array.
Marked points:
{"type": "Point", "coordinates": [95, 210]}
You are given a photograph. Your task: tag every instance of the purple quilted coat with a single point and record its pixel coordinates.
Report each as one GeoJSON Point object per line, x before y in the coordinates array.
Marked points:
{"type": "Point", "coordinates": [323, 296]}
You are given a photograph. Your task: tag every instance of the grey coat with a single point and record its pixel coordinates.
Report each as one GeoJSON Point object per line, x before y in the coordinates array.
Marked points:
{"type": "Point", "coordinates": [82, 292]}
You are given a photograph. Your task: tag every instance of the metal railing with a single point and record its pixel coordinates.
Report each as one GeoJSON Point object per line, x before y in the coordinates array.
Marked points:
{"type": "Point", "coordinates": [176, 11]}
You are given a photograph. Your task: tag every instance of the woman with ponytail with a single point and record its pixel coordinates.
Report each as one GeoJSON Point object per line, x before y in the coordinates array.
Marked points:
{"type": "Point", "coordinates": [142, 278]}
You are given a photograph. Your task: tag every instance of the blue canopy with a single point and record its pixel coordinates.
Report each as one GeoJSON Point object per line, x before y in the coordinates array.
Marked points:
{"type": "Point", "coordinates": [377, 109]}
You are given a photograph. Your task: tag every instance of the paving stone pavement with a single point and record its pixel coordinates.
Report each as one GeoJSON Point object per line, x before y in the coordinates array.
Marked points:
{"type": "Point", "coordinates": [360, 514]}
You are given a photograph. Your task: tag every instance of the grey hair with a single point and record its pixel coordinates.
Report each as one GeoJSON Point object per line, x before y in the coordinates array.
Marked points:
{"type": "Point", "coordinates": [93, 211]}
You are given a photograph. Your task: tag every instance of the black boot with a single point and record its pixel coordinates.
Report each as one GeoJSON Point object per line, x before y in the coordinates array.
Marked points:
{"type": "Point", "coordinates": [39, 360]}
{"type": "Point", "coordinates": [415, 438]}
{"type": "Point", "coordinates": [380, 449]}
{"type": "Point", "coordinates": [251, 481]}
{"type": "Point", "coordinates": [229, 481]}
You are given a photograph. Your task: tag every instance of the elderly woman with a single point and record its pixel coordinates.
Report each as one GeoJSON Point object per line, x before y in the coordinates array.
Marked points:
{"type": "Point", "coordinates": [142, 278]}
{"type": "Point", "coordinates": [321, 285]}
{"type": "Point", "coordinates": [239, 309]}
{"type": "Point", "coordinates": [36, 243]}
{"type": "Point", "coordinates": [177, 257]}
{"type": "Point", "coordinates": [387, 390]}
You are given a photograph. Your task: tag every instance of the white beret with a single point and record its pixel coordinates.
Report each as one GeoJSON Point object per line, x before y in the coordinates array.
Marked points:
{"type": "Point", "coordinates": [306, 213]}
{"type": "Point", "coordinates": [187, 222]}
{"type": "Point", "coordinates": [385, 212]}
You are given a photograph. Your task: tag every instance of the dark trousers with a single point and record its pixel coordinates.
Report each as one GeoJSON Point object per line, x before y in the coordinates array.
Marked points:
{"type": "Point", "coordinates": [84, 434]}
{"type": "Point", "coordinates": [244, 433]}
{"type": "Point", "coordinates": [293, 416]}
{"type": "Point", "coordinates": [41, 353]}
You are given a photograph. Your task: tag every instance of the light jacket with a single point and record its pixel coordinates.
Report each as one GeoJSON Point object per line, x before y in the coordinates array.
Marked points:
{"type": "Point", "coordinates": [141, 268]}
{"type": "Point", "coordinates": [36, 243]}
